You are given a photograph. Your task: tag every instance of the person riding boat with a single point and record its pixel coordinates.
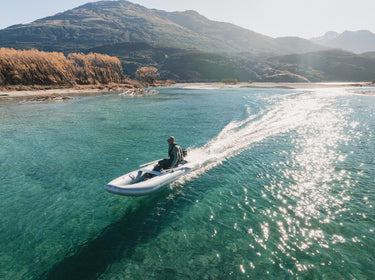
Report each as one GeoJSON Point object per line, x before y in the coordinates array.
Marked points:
{"type": "Point", "coordinates": [175, 156]}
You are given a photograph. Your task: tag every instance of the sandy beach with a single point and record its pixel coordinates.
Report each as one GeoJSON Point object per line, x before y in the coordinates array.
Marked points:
{"type": "Point", "coordinates": [65, 94]}
{"type": "Point", "coordinates": [71, 92]}
{"type": "Point", "coordinates": [51, 92]}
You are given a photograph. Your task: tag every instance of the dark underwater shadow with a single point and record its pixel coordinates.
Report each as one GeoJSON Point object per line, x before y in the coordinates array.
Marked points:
{"type": "Point", "coordinates": [119, 240]}
{"type": "Point", "coordinates": [144, 219]}
{"type": "Point", "coordinates": [116, 241]}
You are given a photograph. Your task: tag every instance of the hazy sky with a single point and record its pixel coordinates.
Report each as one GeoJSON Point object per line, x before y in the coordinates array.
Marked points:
{"type": "Point", "coordinates": [275, 18]}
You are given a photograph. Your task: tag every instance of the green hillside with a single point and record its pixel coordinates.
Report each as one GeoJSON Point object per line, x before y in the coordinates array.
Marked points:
{"type": "Point", "coordinates": [198, 66]}
{"type": "Point", "coordinates": [179, 64]}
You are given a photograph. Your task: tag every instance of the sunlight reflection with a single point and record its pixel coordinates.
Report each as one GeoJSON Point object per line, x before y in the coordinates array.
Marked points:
{"type": "Point", "coordinates": [310, 189]}
{"type": "Point", "coordinates": [307, 187]}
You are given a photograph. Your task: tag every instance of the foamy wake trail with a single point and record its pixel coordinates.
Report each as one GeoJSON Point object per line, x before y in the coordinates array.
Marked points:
{"type": "Point", "coordinates": [238, 136]}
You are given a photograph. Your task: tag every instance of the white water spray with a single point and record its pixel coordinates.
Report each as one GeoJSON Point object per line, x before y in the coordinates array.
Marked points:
{"type": "Point", "coordinates": [292, 111]}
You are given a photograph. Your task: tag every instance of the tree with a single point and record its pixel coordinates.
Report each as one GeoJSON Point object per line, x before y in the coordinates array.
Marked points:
{"type": "Point", "coordinates": [147, 75]}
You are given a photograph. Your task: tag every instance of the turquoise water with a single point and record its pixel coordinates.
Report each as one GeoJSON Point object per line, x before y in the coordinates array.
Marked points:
{"type": "Point", "coordinates": [285, 191]}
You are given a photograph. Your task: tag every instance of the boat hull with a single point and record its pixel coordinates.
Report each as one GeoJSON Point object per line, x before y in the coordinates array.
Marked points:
{"type": "Point", "coordinates": [135, 184]}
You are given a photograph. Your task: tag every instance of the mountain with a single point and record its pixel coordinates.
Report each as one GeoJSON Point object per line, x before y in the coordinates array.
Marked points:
{"type": "Point", "coordinates": [111, 22]}
{"type": "Point", "coordinates": [353, 41]}
{"type": "Point", "coordinates": [95, 24]}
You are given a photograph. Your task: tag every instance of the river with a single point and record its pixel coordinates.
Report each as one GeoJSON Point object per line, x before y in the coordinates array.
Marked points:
{"type": "Point", "coordinates": [285, 189]}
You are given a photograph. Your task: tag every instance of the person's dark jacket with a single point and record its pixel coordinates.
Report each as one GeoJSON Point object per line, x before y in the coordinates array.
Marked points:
{"type": "Point", "coordinates": [175, 154]}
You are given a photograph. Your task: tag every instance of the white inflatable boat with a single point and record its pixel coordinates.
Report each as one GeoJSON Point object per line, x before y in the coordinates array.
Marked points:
{"type": "Point", "coordinates": [145, 181]}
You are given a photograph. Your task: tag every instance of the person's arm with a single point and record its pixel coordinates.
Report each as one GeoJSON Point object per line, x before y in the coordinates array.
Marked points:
{"type": "Point", "coordinates": [175, 156]}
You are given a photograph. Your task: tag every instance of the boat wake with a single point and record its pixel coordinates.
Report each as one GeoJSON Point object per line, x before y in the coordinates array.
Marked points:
{"type": "Point", "coordinates": [286, 113]}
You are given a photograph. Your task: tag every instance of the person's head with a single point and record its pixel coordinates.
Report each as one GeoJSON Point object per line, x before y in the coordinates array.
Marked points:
{"type": "Point", "coordinates": [170, 140]}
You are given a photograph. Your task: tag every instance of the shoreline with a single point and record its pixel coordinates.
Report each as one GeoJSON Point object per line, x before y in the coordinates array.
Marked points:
{"type": "Point", "coordinates": [52, 92]}
{"type": "Point", "coordinates": [62, 93]}
{"type": "Point", "coordinates": [297, 86]}
{"type": "Point", "coordinates": [66, 93]}
{"type": "Point", "coordinates": [275, 85]}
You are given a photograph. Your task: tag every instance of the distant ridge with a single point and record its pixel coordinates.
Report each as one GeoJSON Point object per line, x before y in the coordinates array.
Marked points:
{"type": "Point", "coordinates": [354, 41]}
{"type": "Point", "coordinates": [369, 54]}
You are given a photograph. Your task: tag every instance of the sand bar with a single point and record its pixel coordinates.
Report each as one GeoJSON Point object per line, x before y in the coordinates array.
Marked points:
{"type": "Point", "coordinates": [71, 92]}
{"type": "Point", "coordinates": [272, 85]}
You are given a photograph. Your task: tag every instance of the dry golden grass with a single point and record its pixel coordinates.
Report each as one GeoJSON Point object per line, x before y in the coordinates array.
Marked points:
{"type": "Point", "coordinates": [33, 67]}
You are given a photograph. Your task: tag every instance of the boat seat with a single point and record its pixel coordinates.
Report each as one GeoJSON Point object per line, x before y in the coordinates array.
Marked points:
{"type": "Point", "coordinates": [153, 172]}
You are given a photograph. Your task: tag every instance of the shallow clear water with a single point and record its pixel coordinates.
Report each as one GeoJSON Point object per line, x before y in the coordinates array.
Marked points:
{"type": "Point", "coordinates": [285, 189]}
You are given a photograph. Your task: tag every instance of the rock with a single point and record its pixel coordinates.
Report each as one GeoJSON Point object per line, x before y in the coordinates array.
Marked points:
{"type": "Point", "coordinates": [49, 97]}
{"type": "Point", "coordinates": [139, 92]}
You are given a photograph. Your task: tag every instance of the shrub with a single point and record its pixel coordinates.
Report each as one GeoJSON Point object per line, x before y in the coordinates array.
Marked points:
{"type": "Point", "coordinates": [147, 75]}
{"type": "Point", "coordinates": [229, 81]}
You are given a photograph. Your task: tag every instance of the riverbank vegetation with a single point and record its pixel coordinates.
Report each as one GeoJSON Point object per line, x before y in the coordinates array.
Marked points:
{"type": "Point", "coordinates": [39, 70]}
{"type": "Point", "coordinates": [33, 67]}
